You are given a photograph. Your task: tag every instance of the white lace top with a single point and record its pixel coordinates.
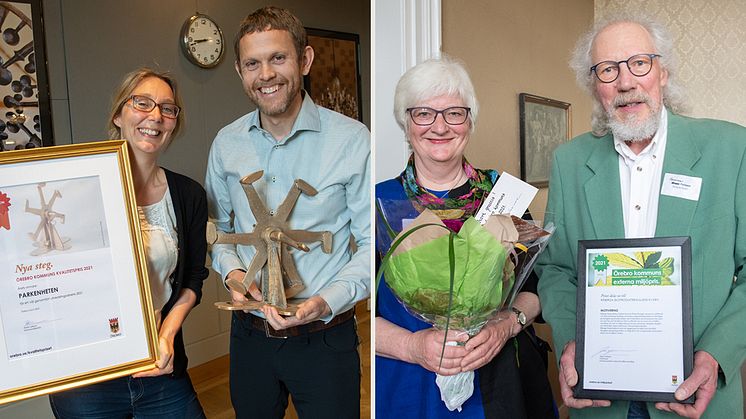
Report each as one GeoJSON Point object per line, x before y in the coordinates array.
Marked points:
{"type": "Point", "coordinates": [158, 226]}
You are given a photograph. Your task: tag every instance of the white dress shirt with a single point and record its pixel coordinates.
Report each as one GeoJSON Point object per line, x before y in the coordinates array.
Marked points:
{"type": "Point", "coordinates": [329, 151]}
{"type": "Point", "coordinates": [640, 180]}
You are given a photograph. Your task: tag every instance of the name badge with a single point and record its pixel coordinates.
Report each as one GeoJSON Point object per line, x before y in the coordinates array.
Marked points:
{"type": "Point", "coordinates": [681, 186]}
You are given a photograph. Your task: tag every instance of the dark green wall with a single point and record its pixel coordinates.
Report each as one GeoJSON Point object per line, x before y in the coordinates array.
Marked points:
{"type": "Point", "coordinates": [92, 43]}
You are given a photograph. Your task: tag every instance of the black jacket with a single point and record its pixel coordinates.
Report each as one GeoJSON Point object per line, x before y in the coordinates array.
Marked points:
{"type": "Point", "coordinates": [190, 207]}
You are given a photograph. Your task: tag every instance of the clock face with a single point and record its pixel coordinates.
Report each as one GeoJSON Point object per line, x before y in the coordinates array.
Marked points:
{"type": "Point", "coordinates": [202, 41]}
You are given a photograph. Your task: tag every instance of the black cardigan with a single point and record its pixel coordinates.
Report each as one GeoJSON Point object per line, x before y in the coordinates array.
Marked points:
{"type": "Point", "coordinates": [190, 208]}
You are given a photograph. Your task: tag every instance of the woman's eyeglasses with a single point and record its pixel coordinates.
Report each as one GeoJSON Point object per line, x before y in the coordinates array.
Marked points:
{"type": "Point", "coordinates": [455, 115]}
{"type": "Point", "coordinates": [146, 104]}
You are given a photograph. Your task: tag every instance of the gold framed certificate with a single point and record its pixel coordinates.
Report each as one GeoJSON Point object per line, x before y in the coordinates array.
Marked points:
{"type": "Point", "coordinates": [75, 304]}
{"type": "Point", "coordinates": [634, 322]}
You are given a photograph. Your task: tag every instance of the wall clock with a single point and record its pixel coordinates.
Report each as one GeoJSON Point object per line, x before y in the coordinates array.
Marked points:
{"type": "Point", "coordinates": [202, 41]}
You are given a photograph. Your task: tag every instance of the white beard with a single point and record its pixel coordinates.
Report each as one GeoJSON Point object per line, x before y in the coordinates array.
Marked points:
{"type": "Point", "coordinates": [631, 129]}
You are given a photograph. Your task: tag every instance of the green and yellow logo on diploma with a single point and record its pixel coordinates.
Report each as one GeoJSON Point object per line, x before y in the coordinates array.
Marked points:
{"type": "Point", "coordinates": [635, 268]}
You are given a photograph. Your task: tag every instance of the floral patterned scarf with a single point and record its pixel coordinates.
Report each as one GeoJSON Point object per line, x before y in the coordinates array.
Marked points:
{"type": "Point", "coordinates": [453, 210]}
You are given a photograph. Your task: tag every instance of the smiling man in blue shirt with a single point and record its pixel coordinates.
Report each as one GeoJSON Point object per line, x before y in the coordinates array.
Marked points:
{"type": "Point", "coordinates": [289, 137]}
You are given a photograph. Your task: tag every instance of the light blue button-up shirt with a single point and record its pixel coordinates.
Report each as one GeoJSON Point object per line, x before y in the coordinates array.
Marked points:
{"type": "Point", "coordinates": [331, 153]}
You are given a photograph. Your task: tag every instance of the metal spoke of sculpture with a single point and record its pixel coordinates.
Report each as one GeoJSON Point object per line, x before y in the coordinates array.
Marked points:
{"type": "Point", "coordinates": [46, 238]}
{"type": "Point", "coordinates": [272, 238]}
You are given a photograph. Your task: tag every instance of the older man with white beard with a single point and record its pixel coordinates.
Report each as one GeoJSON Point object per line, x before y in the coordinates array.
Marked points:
{"type": "Point", "coordinates": [610, 184]}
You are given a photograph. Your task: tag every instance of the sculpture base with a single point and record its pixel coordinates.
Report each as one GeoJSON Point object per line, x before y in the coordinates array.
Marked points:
{"type": "Point", "coordinates": [257, 305]}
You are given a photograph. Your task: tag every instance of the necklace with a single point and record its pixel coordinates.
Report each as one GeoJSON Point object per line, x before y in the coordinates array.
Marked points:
{"type": "Point", "coordinates": [479, 184]}
{"type": "Point", "coordinates": [455, 182]}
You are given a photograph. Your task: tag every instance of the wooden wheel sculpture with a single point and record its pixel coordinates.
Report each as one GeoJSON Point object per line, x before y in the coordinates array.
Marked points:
{"type": "Point", "coordinates": [272, 238]}
{"type": "Point", "coordinates": [46, 238]}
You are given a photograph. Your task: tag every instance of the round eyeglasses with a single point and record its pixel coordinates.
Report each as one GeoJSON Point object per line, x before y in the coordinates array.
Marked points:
{"type": "Point", "coordinates": [146, 104]}
{"type": "Point", "coordinates": [455, 115]}
{"type": "Point", "coordinates": [639, 65]}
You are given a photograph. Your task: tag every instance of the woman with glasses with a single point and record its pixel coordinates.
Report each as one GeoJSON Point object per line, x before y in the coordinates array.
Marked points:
{"type": "Point", "coordinates": [436, 107]}
{"type": "Point", "coordinates": [146, 111]}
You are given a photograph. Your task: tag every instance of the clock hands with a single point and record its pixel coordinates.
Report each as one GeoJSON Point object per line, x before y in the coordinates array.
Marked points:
{"type": "Point", "coordinates": [199, 41]}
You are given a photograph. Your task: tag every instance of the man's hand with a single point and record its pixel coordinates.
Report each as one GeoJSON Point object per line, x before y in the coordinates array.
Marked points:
{"type": "Point", "coordinates": [308, 311]}
{"type": "Point", "coordinates": [425, 347]}
{"type": "Point", "coordinates": [487, 343]}
{"type": "Point", "coordinates": [237, 297]}
{"type": "Point", "coordinates": [238, 275]}
{"type": "Point", "coordinates": [568, 378]}
{"type": "Point", "coordinates": [254, 291]}
{"type": "Point", "coordinates": [702, 383]}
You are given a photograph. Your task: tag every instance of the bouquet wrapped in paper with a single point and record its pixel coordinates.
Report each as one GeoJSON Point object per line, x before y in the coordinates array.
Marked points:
{"type": "Point", "coordinates": [459, 281]}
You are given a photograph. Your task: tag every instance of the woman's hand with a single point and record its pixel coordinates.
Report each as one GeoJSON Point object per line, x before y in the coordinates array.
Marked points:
{"type": "Point", "coordinates": [167, 332]}
{"type": "Point", "coordinates": [487, 343]}
{"type": "Point", "coordinates": [165, 364]}
{"type": "Point", "coordinates": [425, 348]}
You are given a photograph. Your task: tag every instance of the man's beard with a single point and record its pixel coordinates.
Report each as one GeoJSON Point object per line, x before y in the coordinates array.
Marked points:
{"type": "Point", "coordinates": [277, 106]}
{"type": "Point", "coordinates": [631, 128]}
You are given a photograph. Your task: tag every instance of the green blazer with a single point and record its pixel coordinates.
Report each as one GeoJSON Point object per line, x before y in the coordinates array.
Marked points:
{"type": "Point", "coordinates": [585, 203]}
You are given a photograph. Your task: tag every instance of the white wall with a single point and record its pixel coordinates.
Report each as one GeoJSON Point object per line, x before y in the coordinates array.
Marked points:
{"type": "Point", "coordinates": [405, 33]}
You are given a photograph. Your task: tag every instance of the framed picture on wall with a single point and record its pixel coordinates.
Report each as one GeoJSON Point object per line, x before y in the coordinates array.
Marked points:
{"type": "Point", "coordinates": [545, 124]}
{"type": "Point", "coordinates": [25, 117]}
{"type": "Point", "coordinates": [335, 81]}
{"type": "Point", "coordinates": [75, 305]}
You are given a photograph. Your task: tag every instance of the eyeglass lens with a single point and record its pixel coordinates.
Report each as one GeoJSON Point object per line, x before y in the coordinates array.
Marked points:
{"type": "Point", "coordinates": [425, 116]}
{"type": "Point", "coordinates": [639, 65]}
{"type": "Point", "coordinates": [146, 104]}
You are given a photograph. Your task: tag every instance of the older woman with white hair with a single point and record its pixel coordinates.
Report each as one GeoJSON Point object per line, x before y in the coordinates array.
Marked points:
{"type": "Point", "coordinates": [436, 106]}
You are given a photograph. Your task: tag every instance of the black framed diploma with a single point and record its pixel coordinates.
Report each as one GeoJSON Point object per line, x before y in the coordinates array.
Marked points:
{"type": "Point", "coordinates": [634, 318]}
